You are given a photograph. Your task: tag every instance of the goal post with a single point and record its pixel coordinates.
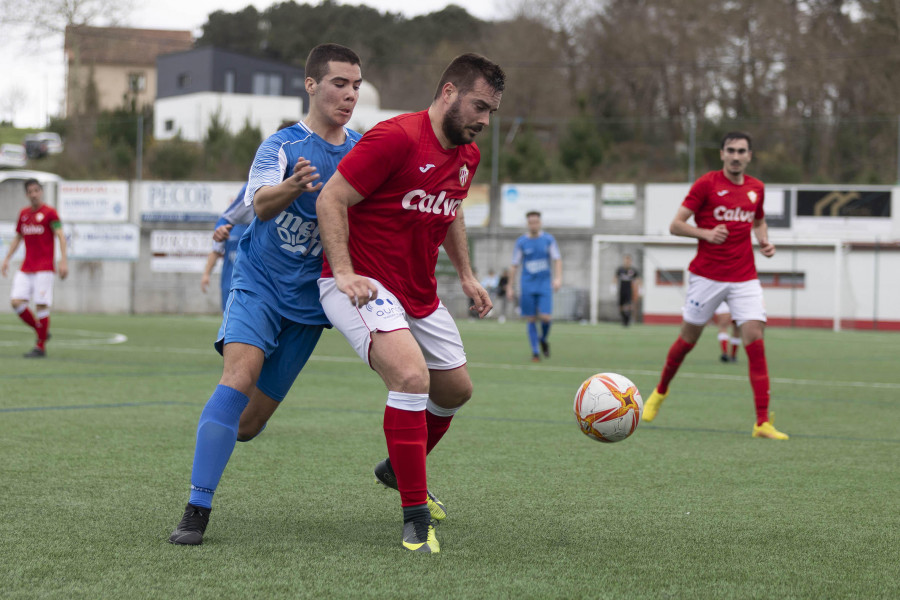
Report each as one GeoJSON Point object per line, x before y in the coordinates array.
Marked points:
{"type": "Point", "coordinates": [799, 272]}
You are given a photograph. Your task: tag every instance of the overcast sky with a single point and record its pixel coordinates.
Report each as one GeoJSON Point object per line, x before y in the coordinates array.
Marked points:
{"type": "Point", "coordinates": [36, 68]}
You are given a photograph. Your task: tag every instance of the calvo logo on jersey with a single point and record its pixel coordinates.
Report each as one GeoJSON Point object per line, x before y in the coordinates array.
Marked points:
{"type": "Point", "coordinates": [733, 214]}
{"type": "Point", "coordinates": [422, 201]}
{"type": "Point", "coordinates": [298, 235]}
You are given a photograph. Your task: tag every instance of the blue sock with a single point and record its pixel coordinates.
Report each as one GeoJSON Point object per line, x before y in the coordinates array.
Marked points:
{"type": "Point", "coordinates": [533, 336]}
{"type": "Point", "coordinates": [216, 435]}
{"type": "Point", "coordinates": [545, 329]}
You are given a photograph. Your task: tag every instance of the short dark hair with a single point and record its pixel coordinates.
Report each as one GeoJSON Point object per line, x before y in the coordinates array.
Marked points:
{"type": "Point", "coordinates": [533, 213]}
{"type": "Point", "coordinates": [32, 181]}
{"type": "Point", "coordinates": [465, 70]}
{"type": "Point", "coordinates": [321, 55]}
{"type": "Point", "coordinates": [285, 124]}
{"type": "Point", "coordinates": [737, 135]}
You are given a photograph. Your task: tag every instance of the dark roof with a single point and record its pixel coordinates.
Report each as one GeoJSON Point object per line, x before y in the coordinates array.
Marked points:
{"type": "Point", "coordinates": [122, 45]}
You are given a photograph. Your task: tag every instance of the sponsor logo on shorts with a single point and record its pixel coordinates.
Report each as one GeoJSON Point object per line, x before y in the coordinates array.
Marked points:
{"type": "Point", "coordinates": [298, 235]}
{"type": "Point", "coordinates": [424, 202]}
{"type": "Point", "coordinates": [384, 307]}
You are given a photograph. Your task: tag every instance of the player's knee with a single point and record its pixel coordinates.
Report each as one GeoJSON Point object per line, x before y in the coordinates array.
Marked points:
{"type": "Point", "coordinates": [410, 381]}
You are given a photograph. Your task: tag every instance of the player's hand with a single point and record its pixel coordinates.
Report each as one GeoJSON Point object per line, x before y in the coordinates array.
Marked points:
{"type": "Point", "coordinates": [717, 235]}
{"type": "Point", "coordinates": [222, 233]}
{"type": "Point", "coordinates": [360, 290]}
{"type": "Point", "coordinates": [767, 248]}
{"type": "Point", "coordinates": [304, 177]}
{"type": "Point", "coordinates": [479, 296]}
{"type": "Point", "coordinates": [63, 268]}
{"type": "Point", "coordinates": [557, 283]}
{"type": "Point", "coordinates": [204, 282]}
{"type": "Point", "coordinates": [4, 268]}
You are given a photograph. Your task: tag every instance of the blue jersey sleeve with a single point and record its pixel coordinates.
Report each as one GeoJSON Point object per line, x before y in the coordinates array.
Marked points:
{"type": "Point", "coordinates": [268, 167]}
{"type": "Point", "coordinates": [238, 213]}
{"type": "Point", "coordinates": [554, 249]}
{"type": "Point", "coordinates": [517, 253]}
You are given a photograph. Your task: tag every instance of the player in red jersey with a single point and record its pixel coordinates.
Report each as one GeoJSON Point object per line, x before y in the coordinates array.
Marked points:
{"type": "Point", "coordinates": [726, 206]}
{"type": "Point", "coordinates": [399, 192]}
{"type": "Point", "coordinates": [38, 225]}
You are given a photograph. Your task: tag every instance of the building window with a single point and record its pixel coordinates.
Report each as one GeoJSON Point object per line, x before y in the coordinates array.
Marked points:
{"type": "Point", "coordinates": [782, 280]}
{"type": "Point", "coordinates": [670, 277]}
{"type": "Point", "coordinates": [267, 84]}
{"type": "Point", "coordinates": [184, 81]}
{"type": "Point", "coordinates": [229, 82]}
{"type": "Point", "coordinates": [170, 124]}
{"type": "Point", "coordinates": [297, 83]}
{"type": "Point", "coordinates": [275, 84]}
{"type": "Point", "coordinates": [137, 82]}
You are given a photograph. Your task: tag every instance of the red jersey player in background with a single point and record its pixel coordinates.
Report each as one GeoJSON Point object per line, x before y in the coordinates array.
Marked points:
{"type": "Point", "coordinates": [726, 206]}
{"type": "Point", "coordinates": [394, 200]}
{"type": "Point", "coordinates": [38, 224]}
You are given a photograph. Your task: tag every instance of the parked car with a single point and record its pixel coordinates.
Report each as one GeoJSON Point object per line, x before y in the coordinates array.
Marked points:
{"type": "Point", "coordinates": [39, 145]}
{"type": "Point", "coordinates": [12, 156]}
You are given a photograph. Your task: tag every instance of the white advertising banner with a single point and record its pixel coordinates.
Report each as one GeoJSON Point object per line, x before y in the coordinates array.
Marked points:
{"type": "Point", "coordinates": [93, 201]}
{"type": "Point", "coordinates": [102, 241]}
{"type": "Point", "coordinates": [618, 201]}
{"type": "Point", "coordinates": [7, 234]}
{"type": "Point", "coordinates": [185, 201]}
{"type": "Point", "coordinates": [560, 205]}
{"type": "Point", "coordinates": [179, 251]}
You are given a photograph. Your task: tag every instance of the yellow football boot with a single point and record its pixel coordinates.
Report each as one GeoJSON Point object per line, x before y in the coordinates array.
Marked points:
{"type": "Point", "coordinates": [651, 406]}
{"type": "Point", "coordinates": [767, 430]}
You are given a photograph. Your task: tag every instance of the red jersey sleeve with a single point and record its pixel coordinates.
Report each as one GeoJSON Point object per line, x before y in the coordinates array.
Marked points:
{"type": "Point", "coordinates": [53, 218]}
{"type": "Point", "coordinates": [760, 214]}
{"type": "Point", "coordinates": [380, 153]}
{"type": "Point", "coordinates": [697, 195]}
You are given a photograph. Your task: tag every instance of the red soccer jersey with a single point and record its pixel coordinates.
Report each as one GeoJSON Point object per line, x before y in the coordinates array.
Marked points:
{"type": "Point", "coordinates": [37, 230]}
{"type": "Point", "coordinates": [716, 200]}
{"type": "Point", "coordinates": [413, 188]}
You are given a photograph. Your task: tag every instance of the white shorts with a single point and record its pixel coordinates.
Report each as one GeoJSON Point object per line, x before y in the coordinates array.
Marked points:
{"type": "Point", "coordinates": [744, 298]}
{"type": "Point", "coordinates": [436, 334]}
{"type": "Point", "coordinates": [33, 286]}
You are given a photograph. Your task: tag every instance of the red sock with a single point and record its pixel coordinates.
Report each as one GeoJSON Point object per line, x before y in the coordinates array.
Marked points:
{"type": "Point", "coordinates": [407, 434]}
{"type": "Point", "coordinates": [43, 329]}
{"type": "Point", "coordinates": [26, 316]}
{"type": "Point", "coordinates": [673, 360]}
{"type": "Point", "coordinates": [759, 379]}
{"type": "Point", "coordinates": [437, 427]}
{"type": "Point", "coordinates": [724, 344]}
{"type": "Point", "coordinates": [734, 348]}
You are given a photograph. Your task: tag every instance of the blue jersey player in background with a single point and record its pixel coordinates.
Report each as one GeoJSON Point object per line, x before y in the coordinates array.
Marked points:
{"type": "Point", "coordinates": [228, 231]}
{"type": "Point", "coordinates": [538, 255]}
{"type": "Point", "coordinates": [272, 318]}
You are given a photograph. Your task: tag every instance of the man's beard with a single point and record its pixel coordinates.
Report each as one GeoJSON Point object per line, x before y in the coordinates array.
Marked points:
{"type": "Point", "coordinates": [453, 127]}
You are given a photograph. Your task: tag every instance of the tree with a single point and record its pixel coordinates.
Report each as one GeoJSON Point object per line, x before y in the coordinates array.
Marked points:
{"type": "Point", "coordinates": [53, 16]}
{"type": "Point", "coordinates": [12, 100]}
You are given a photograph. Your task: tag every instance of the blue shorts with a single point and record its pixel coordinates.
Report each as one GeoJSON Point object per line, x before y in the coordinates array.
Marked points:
{"type": "Point", "coordinates": [248, 319]}
{"type": "Point", "coordinates": [533, 303]}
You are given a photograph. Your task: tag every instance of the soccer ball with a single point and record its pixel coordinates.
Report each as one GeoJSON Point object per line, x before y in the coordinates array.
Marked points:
{"type": "Point", "coordinates": [608, 407]}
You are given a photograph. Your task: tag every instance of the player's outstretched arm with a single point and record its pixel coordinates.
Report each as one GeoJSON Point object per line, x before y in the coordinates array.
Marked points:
{"type": "Point", "coordinates": [681, 227]}
{"type": "Point", "coordinates": [457, 247]}
{"type": "Point", "coordinates": [334, 230]}
{"type": "Point", "coordinates": [269, 201]}
{"type": "Point", "coordinates": [761, 231]}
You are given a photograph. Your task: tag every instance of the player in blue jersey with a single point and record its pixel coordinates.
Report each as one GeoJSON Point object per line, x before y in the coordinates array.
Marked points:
{"type": "Point", "coordinates": [272, 317]}
{"type": "Point", "coordinates": [538, 254]}
{"type": "Point", "coordinates": [229, 229]}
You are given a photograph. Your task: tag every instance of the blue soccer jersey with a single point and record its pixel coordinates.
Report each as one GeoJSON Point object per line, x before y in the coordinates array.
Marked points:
{"type": "Point", "coordinates": [535, 254]}
{"type": "Point", "coordinates": [280, 259]}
